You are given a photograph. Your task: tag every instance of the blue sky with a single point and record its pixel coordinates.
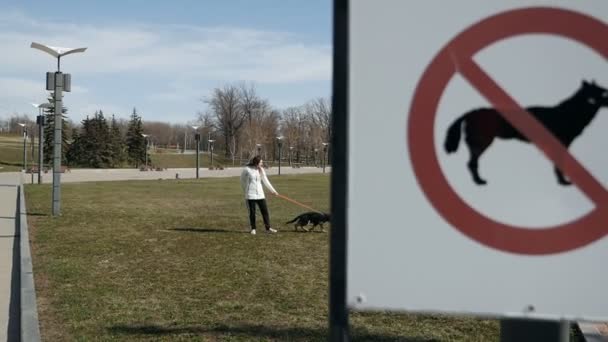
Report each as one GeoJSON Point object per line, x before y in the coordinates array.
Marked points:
{"type": "Point", "coordinates": [163, 57]}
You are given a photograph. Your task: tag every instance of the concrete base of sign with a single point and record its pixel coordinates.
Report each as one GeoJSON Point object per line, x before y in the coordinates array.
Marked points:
{"type": "Point", "coordinates": [594, 332]}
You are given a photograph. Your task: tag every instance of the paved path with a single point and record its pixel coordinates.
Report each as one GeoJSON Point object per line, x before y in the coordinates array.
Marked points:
{"type": "Point", "coordinates": [9, 251]}
{"type": "Point", "coordinates": [94, 175]}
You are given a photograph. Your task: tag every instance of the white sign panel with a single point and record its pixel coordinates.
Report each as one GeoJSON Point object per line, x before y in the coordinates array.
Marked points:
{"type": "Point", "coordinates": [477, 167]}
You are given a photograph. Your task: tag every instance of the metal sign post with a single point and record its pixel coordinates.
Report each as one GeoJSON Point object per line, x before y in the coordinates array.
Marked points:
{"type": "Point", "coordinates": [338, 311]}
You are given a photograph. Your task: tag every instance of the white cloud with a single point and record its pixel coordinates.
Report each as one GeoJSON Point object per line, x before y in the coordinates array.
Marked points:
{"type": "Point", "coordinates": [168, 63]}
{"type": "Point", "coordinates": [222, 53]}
{"type": "Point", "coordinates": [22, 89]}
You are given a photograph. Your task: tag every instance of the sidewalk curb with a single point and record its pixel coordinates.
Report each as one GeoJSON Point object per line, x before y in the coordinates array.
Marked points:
{"type": "Point", "coordinates": [30, 330]}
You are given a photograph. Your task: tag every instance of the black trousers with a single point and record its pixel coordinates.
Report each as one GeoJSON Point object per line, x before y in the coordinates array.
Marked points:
{"type": "Point", "coordinates": [263, 209]}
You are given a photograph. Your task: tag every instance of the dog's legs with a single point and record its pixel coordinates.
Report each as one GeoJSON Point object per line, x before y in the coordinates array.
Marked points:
{"type": "Point", "coordinates": [477, 145]}
{"type": "Point", "coordinates": [560, 175]}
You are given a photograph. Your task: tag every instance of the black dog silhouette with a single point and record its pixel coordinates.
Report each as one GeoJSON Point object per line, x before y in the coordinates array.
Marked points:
{"type": "Point", "coordinates": [310, 217]}
{"type": "Point", "coordinates": [565, 121]}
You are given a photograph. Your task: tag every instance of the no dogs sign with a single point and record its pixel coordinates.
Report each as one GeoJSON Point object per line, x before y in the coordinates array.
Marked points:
{"type": "Point", "coordinates": [477, 173]}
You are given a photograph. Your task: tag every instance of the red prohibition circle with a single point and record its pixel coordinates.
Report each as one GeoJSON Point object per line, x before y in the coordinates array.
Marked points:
{"type": "Point", "coordinates": [421, 142]}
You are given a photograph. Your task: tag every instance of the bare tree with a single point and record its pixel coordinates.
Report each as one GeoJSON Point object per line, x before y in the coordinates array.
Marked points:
{"type": "Point", "coordinates": [208, 128]}
{"type": "Point", "coordinates": [225, 104]}
{"type": "Point", "coordinates": [321, 113]}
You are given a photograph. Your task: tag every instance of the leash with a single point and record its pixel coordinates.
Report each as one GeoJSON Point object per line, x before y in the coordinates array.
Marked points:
{"type": "Point", "coordinates": [297, 203]}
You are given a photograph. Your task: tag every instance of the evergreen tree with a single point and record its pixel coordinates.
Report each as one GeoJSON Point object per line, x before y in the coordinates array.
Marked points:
{"type": "Point", "coordinates": [136, 143]}
{"type": "Point", "coordinates": [74, 153]}
{"type": "Point", "coordinates": [101, 155]}
{"type": "Point", "coordinates": [49, 133]}
{"type": "Point", "coordinates": [92, 146]}
{"type": "Point", "coordinates": [117, 145]}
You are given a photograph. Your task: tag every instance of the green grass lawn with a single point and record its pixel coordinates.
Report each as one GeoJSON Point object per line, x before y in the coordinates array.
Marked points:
{"type": "Point", "coordinates": [11, 153]}
{"type": "Point", "coordinates": [173, 261]}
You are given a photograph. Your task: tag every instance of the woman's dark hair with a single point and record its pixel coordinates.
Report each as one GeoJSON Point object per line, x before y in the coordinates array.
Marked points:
{"type": "Point", "coordinates": [255, 161]}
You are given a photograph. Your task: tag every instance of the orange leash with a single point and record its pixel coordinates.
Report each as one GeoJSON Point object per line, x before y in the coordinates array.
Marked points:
{"type": "Point", "coordinates": [296, 202]}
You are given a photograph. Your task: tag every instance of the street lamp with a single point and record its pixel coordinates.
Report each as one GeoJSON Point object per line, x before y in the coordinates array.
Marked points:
{"type": "Point", "coordinates": [40, 120]}
{"type": "Point", "coordinates": [57, 82]}
{"type": "Point", "coordinates": [211, 152]}
{"type": "Point", "coordinates": [146, 137]}
{"type": "Point", "coordinates": [24, 147]}
{"type": "Point", "coordinates": [324, 155]}
{"type": "Point", "coordinates": [197, 138]}
{"type": "Point", "coordinates": [290, 152]}
{"type": "Point", "coordinates": [280, 141]}
{"type": "Point", "coordinates": [185, 140]}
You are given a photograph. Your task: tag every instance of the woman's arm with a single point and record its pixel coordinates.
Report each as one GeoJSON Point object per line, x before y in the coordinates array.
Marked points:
{"type": "Point", "coordinates": [267, 182]}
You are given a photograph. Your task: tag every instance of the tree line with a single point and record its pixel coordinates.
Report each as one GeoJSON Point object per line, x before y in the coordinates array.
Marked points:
{"type": "Point", "coordinates": [243, 124]}
{"type": "Point", "coordinates": [237, 121]}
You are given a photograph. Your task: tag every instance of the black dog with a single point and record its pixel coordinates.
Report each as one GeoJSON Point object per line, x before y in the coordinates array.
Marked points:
{"type": "Point", "coordinates": [317, 219]}
{"type": "Point", "coordinates": [566, 121]}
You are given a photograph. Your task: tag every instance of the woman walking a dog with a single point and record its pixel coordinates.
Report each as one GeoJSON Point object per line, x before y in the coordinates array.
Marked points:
{"type": "Point", "coordinates": [252, 177]}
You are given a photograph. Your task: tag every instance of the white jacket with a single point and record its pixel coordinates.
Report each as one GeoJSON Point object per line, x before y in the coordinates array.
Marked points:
{"type": "Point", "coordinates": [251, 183]}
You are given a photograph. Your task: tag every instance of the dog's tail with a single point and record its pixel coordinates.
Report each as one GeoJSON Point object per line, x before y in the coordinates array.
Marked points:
{"type": "Point", "coordinates": [452, 138]}
{"type": "Point", "coordinates": [294, 220]}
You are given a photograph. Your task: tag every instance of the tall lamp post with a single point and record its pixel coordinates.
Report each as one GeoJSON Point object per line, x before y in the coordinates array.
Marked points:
{"type": "Point", "coordinates": [185, 140]}
{"type": "Point", "coordinates": [57, 82]}
{"type": "Point", "coordinates": [197, 138]}
{"type": "Point", "coordinates": [211, 152]}
{"type": "Point", "coordinates": [290, 152]}
{"type": "Point", "coordinates": [24, 146]}
{"type": "Point", "coordinates": [41, 121]}
{"type": "Point", "coordinates": [146, 136]}
{"type": "Point", "coordinates": [280, 141]}
{"type": "Point", "coordinates": [324, 155]}
{"type": "Point", "coordinates": [259, 146]}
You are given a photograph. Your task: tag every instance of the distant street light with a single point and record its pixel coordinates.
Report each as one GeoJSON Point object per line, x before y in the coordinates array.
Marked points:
{"type": "Point", "coordinates": [57, 82]}
{"type": "Point", "coordinates": [290, 151]}
{"type": "Point", "coordinates": [41, 121]}
{"type": "Point", "coordinates": [24, 147]}
{"type": "Point", "coordinates": [211, 152]}
{"type": "Point", "coordinates": [185, 141]}
{"type": "Point", "coordinates": [324, 155]}
{"type": "Point", "coordinates": [280, 141]}
{"type": "Point", "coordinates": [197, 138]}
{"type": "Point", "coordinates": [146, 137]}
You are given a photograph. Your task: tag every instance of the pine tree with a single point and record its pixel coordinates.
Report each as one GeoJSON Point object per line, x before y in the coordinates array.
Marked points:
{"type": "Point", "coordinates": [136, 143]}
{"type": "Point", "coordinates": [49, 133]}
{"type": "Point", "coordinates": [75, 152]}
{"type": "Point", "coordinates": [117, 145]}
{"type": "Point", "coordinates": [103, 152]}
{"type": "Point", "coordinates": [92, 146]}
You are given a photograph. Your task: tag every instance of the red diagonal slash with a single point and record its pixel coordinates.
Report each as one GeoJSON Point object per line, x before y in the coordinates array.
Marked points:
{"type": "Point", "coordinates": [533, 130]}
